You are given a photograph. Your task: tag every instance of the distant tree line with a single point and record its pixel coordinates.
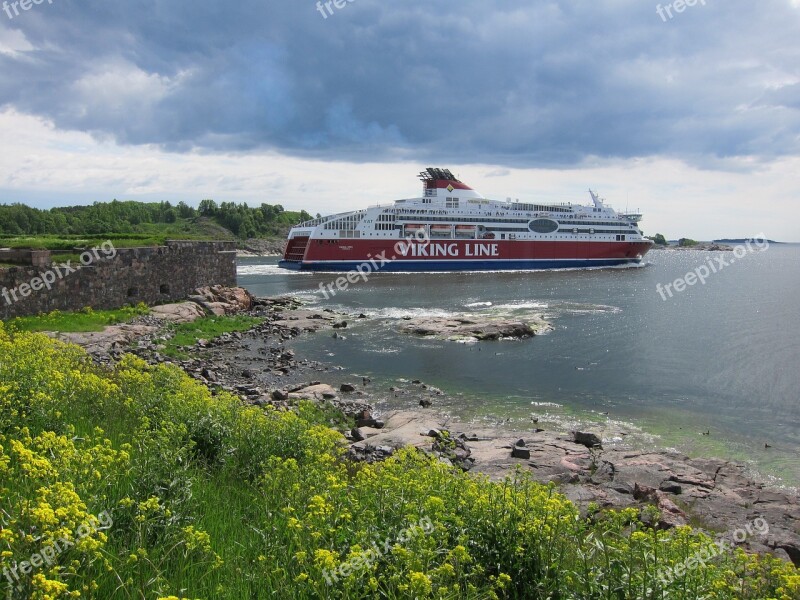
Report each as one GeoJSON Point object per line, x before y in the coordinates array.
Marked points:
{"type": "Point", "coordinates": [659, 239]}
{"type": "Point", "coordinates": [133, 217]}
{"type": "Point", "coordinates": [246, 222]}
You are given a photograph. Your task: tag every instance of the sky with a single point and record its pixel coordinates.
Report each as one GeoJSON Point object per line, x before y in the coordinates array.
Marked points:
{"type": "Point", "coordinates": [690, 114]}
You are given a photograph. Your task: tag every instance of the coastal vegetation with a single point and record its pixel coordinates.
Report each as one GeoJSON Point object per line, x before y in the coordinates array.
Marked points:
{"type": "Point", "coordinates": [84, 320]}
{"type": "Point", "coordinates": [140, 222]}
{"type": "Point", "coordinates": [135, 481]}
{"type": "Point", "coordinates": [659, 239]}
{"type": "Point", "coordinates": [206, 328]}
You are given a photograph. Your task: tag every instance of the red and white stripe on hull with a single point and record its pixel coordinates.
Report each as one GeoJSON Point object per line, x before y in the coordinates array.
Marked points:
{"type": "Point", "coordinates": [355, 250]}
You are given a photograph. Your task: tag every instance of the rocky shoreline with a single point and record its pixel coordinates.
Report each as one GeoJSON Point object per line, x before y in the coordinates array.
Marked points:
{"type": "Point", "coordinates": [261, 247]}
{"type": "Point", "coordinates": [589, 467]}
{"type": "Point", "coordinates": [701, 246]}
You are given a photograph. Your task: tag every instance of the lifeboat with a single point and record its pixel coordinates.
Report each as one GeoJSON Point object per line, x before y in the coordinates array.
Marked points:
{"type": "Point", "coordinates": [412, 228]}
{"type": "Point", "coordinates": [440, 230]}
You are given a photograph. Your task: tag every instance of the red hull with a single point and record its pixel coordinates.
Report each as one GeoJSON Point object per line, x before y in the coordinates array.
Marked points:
{"type": "Point", "coordinates": [361, 250]}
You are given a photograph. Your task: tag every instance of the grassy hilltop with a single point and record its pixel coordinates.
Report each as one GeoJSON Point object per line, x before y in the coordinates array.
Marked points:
{"type": "Point", "coordinates": [140, 223]}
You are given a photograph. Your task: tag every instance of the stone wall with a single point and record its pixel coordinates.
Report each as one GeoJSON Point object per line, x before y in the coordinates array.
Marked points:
{"type": "Point", "coordinates": [36, 258]}
{"type": "Point", "coordinates": [130, 275]}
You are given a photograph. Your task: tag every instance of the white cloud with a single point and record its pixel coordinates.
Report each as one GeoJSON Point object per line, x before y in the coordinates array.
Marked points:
{"type": "Point", "coordinates": [13, 42]}
{"type": "Point", "coordinates": [677, 199]}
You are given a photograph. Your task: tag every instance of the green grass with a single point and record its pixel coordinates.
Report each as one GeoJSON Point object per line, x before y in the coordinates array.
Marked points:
{"type": "Point", "coordinates": [325, 414]}
{"type": "Point", "coordinates": [88, 320]}
{"type": "Point", "coordinates": [85, 320]}
{"type": "Point", "coordinates": [75, 243]}
{"type": "Point", "coordinates": [206, 328]}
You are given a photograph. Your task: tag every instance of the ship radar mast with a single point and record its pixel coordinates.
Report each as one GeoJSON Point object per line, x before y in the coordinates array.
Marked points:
{"type": "Point", "coordinates": [598, 201]}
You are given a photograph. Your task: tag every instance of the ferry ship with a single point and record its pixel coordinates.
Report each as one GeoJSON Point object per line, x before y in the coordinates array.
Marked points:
{"type": "Point", "coordinates": [451, 227]}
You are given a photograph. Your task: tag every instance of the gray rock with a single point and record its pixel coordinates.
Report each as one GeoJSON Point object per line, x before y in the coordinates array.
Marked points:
{"type": "Point", "coordinates": [604, 473]}
{"type": "Point", "coordinates": [590, 440]}
{"type": "Point", "coordinates": [670, 487]}
{"type": "Point", "coordinates": [521, 452]}
{"type": "Point", "coordinates": [460, 328]}
{"type": "Point", "coordinates": [363, 433]}
{"type": "Point", "coordinates": [184, 312]}
{"type": "Point", "coordinates": [621, 487]}
{"type": "Point", "coordinates": [367, 420]}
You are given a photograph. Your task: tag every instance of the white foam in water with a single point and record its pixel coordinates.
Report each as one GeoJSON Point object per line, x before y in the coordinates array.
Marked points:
{"type": "Point", "coordinates": [276, 270]}
{"type": "Point", "coordinates": [588, 309]}
{"type": "Point", "coordinates": [267, 270]}
{"type": "Point", "coordinates": [521, 305]}
{"type": "Point", "coordinates": [306, 297]}
{"type": "Point", "coordinates": [393, 312]}
{"type": "Point", "coordinates": [477, 304]}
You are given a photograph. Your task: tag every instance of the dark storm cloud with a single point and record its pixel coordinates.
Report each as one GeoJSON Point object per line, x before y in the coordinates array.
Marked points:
{"type": "Point", "coordinates": [513, 82]}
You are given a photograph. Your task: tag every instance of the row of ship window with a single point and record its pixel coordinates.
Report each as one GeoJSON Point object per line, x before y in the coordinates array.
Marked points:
{"type": "Point", "coordinates": [390, 215]}
{"type": "Point", "coordinates": [392, 227]}
{"type": "Point", "coordinates": [346, 223]}
{"type": "Point", "coordinates": [466, 219]}
{"type": "Point", "coordinates": [536, 226]}
{"type": "Point", "coordinates": [612, 223]}
{"type": "Point", "coordinates": [588, 231]}
{"type": "Point", "coordinates": [541, 208]}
